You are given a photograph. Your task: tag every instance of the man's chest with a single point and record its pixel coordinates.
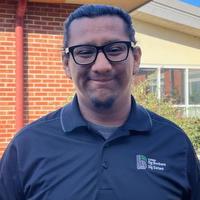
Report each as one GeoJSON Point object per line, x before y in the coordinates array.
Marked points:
{"type": "Point", "coordinates": [104, 172]}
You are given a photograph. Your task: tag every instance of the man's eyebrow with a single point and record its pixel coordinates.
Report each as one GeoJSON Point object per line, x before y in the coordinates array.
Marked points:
{"type": "Point", "coordinates": [111, 41]}
{"type": "Point", "coordinates": [104, 43]}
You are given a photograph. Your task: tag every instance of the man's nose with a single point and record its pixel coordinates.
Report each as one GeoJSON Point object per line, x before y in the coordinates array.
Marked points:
{"type": "Point", "coordinates": [101, 64]}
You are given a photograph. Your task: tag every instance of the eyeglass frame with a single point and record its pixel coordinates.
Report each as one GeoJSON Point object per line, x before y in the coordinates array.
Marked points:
{"type": "Point", "coordinates": [129, 44]}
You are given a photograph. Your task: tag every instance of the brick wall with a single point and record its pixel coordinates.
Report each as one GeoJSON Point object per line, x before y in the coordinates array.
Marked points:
{"type": "Point", "coordinates": [46, 86]}
{"type": "Point", "coordinates": [7, 73]}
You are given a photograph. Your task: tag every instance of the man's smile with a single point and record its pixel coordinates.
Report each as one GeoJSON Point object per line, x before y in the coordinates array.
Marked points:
{"type": "Point", "coordinates": [105, 82]}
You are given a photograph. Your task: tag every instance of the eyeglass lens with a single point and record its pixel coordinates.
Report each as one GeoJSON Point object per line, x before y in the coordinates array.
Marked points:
{"type": "Point", "coordinates": [86, 54]}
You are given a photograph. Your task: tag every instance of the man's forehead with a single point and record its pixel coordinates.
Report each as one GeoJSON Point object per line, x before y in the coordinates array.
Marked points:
{"type": "Point", "coordinates": [86, 29]}
{"type": "Point", "coordinates": [98, 20]}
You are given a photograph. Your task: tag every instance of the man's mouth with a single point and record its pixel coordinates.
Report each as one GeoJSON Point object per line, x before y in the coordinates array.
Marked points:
{"type": "Point", "coordinates": [102, 80]}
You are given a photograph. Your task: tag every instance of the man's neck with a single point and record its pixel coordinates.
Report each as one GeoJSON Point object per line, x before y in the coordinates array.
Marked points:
{"type": "Point", "coordinates": [116, 115]}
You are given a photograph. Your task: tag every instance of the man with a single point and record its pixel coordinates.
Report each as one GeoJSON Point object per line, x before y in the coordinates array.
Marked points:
{"type": "Point", "coordinates": [101, 146]}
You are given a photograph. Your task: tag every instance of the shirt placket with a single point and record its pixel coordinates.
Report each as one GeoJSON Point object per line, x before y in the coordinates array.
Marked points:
{"type": "Point", "coordinates": [104, 187]}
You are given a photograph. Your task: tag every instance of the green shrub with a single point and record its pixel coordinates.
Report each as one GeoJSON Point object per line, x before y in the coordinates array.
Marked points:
{"type": "Point", "coordinates": [166, 109]}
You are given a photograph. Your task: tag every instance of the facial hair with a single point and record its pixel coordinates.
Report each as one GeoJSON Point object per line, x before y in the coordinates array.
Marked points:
{"type": "Point", "coordinates": [103, 104]}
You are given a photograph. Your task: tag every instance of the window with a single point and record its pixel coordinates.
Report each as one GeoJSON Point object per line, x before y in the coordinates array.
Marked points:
{"type": "Point", "coordinates": [194, 87]}
{"type": "Point", "coordinates": [194, 92]}
{"type": "Point", "coordinates": [181, 85]}
{"type": "Point", "coordinates": [172, 85]}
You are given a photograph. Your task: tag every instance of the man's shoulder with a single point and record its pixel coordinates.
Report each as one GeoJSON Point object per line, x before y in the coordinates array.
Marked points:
{"type": "Point", "coordinates": [49, 123]}
{"type": "Point", "coordinates": [167, 127]}
{"type": "Point", "coordinates": [158, 119]}
{"type": "Point", "coordinates": [44, 120]}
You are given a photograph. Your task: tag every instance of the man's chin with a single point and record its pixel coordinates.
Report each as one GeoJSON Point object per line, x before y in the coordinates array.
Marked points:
{"type": "Point", "coordinates": [103, 103]}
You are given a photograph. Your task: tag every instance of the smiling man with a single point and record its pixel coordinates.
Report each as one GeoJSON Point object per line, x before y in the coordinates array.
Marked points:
{"type": "Point", "coordinates": [101, 60]}
{"type": "Point", "coordinates": [102, 145]}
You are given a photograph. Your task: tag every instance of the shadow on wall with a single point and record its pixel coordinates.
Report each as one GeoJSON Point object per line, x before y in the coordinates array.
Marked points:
{"type": "Point", "coordinates": [175, 36]}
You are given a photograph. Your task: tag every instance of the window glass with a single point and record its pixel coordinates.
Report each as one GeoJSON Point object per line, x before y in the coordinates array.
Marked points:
{"type": "Point", "coordinates": [149, 74]}
{"type": "Point", "coordinates": [172, 85]}
{"type": "Point", "coordinates": [194, 86]}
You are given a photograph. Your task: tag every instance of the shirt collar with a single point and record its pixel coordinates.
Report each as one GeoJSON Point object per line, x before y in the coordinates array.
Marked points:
{"type": "Point", "coordinates": [139, 119]}
{"type": "Point", "coordinates": [71, 116]}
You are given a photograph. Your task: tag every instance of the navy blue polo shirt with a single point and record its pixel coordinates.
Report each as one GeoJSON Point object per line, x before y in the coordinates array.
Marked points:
{"type": "Point", "coordinates": [58, 157]}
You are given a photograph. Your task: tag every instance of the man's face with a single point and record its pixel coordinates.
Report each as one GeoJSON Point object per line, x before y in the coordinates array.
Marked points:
{"type": "Point", "coordinates": [101, 83]}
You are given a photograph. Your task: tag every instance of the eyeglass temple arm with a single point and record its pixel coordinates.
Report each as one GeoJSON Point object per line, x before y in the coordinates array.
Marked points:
{"type": "Point", "coordinates": [66, 50]}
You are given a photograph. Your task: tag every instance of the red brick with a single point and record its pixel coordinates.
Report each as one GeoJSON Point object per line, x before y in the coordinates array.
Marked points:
{"type": "Point", "coordinates": [46, 86]}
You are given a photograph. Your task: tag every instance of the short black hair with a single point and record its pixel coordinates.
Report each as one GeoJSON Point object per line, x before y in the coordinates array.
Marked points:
{"type": "Point", "coordinates": [97, 10]}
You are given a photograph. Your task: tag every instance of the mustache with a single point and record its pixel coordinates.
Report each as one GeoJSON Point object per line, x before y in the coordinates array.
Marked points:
{"type": "Point", "coordinates": [101, 77]}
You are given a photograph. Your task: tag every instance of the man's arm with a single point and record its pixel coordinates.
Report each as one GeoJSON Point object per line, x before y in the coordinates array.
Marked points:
{"type": "Point", "coordinates": [193, 172]}
{"type": "Point", "coordinates": [10, 185]}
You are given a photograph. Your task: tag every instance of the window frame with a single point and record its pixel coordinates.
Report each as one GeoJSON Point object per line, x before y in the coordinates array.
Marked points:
{"type": "Point", "coordinates": [186, 105]}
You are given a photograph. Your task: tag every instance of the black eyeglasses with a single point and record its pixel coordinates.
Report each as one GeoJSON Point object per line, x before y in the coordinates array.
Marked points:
{"type": "Point", "coordinates": [87, 54]}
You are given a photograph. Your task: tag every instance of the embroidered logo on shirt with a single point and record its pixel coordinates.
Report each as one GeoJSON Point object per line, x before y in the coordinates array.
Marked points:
{"type": "Point", "coordinates": [149, 163]}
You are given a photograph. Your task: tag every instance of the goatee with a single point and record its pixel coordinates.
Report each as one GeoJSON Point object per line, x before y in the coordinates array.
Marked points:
{"type": "Point", "coordinates": [103, 104]}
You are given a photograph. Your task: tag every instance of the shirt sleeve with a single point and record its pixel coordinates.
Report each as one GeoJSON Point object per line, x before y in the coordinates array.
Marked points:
{"type": "Point", "coordinates": [10, 185]}
{"type": "Point", "coordinates": [193, 172]}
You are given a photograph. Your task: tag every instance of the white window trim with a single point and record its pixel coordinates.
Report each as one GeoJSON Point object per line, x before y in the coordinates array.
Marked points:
{"type": "Point", "coordinates": [186, 74]}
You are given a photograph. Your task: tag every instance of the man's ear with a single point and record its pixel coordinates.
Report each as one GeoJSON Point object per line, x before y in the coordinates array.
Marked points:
{"type": "Point", "coordinates": [65, 60]}
{"type": "Point", "coordinates": [137, 53]}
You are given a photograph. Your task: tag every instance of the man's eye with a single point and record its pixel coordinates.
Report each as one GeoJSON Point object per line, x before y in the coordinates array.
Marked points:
{"type": "Point", "coordinates": [115, 50]}
{"type": "Point", "coordinates": [84, 52]}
